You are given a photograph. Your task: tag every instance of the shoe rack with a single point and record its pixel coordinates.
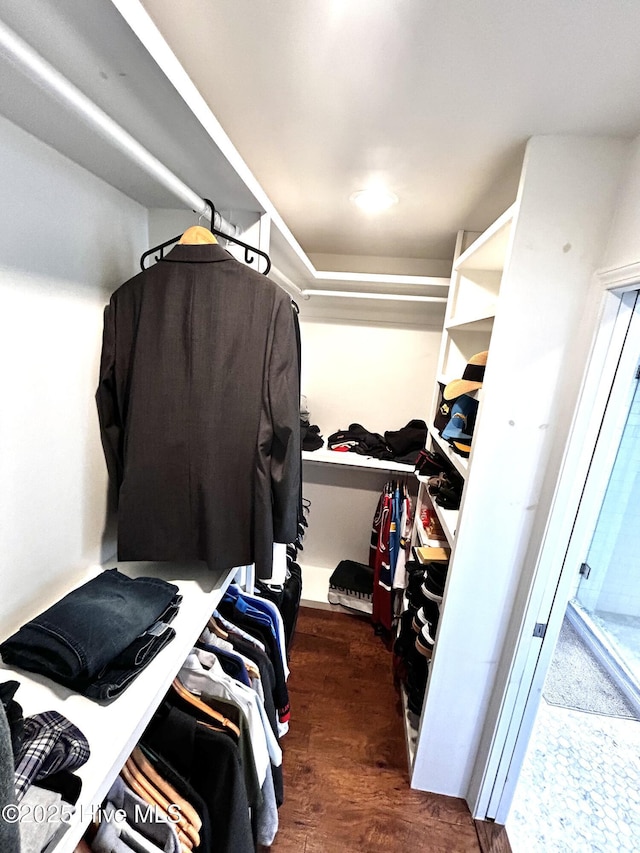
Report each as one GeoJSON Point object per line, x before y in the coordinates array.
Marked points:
{"type": "Point", "coordinates": [479, 262]}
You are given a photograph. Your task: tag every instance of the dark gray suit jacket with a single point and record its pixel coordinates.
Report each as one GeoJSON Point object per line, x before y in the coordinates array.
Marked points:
{"type": "Point", "coordinates": [199, 408]}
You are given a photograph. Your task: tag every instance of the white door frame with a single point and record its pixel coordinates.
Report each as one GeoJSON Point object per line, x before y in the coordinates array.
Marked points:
{"type": "Point", "coordinates": [566, 535]}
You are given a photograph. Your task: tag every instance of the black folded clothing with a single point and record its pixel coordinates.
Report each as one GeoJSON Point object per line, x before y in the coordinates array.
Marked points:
{"type": "Point", "coordinates": [356, 577]}
{"type": "Point", "coordinates": [411, 438]}
{"type": "Point", "coordinates": [310, 437]}
{"type": "Point", "coordinates": [358, 439]}
{"type": "Point", "coordinates": [351, 585]}
{"type": "Point", "coordinates": [79, 636]}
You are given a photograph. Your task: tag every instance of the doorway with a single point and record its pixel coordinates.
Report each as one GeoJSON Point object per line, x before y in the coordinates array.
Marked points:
{"type": "Point", "coordinates": [579, 785]}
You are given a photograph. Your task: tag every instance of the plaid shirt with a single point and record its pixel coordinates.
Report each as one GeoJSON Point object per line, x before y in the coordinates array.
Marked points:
{"type": "Point", "coordinates": [50, 743]}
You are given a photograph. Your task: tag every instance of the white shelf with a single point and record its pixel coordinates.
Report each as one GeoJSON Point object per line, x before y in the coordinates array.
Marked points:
{"type": "Point", "coordinates": [460, 463]}
{"type": "Point", "coordinates": [478, 323]}
{"type": "Point", "coordinates": [114, 729]}
{"type": "Point", "coordinates": [448, 518]}
{"type": "Point", "coordinates": [489, 251]}
{"type": "Point", "coordinates": [354, 460]}
{"type": "Point", "coordinates": [422, 534]}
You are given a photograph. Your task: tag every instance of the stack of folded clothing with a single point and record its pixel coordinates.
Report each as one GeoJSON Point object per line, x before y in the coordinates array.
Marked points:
{"type": "Point", "coordinates": [406, 443]}
{"type": "Point", "coordinates": [403, 445]}
{"type": "Point", "coordinates": [351, 585]}
{"type": "Point", "coordinates": [310, 438]}
{"type": "Point", "coordinates": [100, 637]}
{"type": "Point", "coordinates": [37, 757]}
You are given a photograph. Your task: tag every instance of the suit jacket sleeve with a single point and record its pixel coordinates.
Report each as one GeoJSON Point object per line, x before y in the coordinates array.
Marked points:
{"type": "Point", "coordinates": [284, 413]}
{"type": "Point", "coordinates": [109, 415]}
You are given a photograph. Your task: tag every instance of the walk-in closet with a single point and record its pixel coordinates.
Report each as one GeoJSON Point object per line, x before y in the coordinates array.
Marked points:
{"type": "Point", "coordinates": [287, 485]}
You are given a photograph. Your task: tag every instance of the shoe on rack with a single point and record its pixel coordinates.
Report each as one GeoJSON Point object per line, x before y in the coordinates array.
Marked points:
{"type": "Point", "coordinates": [437, 572]}
{"type": "Point", "coordinates": [448, 498]}
{"type": "Point", "coordinates": [406, 636]}
{"type": "Point", "coordinates": [429, 463]}
{"type": "Point", "coordinates": [438, 482]}
{"type": "Point", "coordinates": [415, 701]}
{"type": "Point", "coordinates": [432, 590]}
{"type": "Point", "coordinates": [428, 614]}
{"type": "Point", "coordinates": [424, 643]}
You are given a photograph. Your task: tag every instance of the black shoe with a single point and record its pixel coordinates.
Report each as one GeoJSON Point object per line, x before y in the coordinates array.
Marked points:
{"type": "Point", "coordinates": [448, 498]}
{"type": "Point", "coordinates": [433, 590]}
{"type": "Point", "coordinates": [424, 644]}
{"type": "Point", "coordinates": [437, 572]}
{"type": "Point", "coordinates": [406, 635]}
{"type": "Point", "coordinates": [429, 463]}
{"type": "Point", "coordinates": [428, 614]}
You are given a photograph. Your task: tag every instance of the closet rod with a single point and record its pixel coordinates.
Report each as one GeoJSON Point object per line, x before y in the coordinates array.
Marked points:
{"type": "Point", "coordinates": [285, 282]}
{"type": "Point", "coordinates": [349, 294]}
{"type": "Point", "coordinates": [30, 63]}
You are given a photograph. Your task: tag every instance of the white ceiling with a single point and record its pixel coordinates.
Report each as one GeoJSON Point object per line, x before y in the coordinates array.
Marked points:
{"type": "Point", "coordinates": [433, 98]}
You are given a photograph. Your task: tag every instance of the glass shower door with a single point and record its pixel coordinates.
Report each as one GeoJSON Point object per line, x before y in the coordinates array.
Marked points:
{"type": "Point", "coordinates": [608, 594]}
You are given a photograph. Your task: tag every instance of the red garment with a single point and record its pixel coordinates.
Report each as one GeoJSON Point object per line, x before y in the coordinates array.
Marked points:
{"type": "Point", "coordinates": [378, 556]}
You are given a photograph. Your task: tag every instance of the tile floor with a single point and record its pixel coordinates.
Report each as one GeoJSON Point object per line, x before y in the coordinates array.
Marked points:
{"type": "Point", "coordinates": [579, 790]}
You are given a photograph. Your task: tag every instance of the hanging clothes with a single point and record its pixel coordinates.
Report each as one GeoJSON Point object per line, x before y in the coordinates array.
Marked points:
{"type": "Point", "coordinates": [198, 402]}
{"type": "Point", "coordinates": [388, 548]}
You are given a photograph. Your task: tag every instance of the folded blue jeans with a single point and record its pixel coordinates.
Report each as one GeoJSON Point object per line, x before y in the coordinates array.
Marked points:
{"type": "Point", "coordinates": [73, 640]}
{"type": "Point", "coordinates": [119, 673]}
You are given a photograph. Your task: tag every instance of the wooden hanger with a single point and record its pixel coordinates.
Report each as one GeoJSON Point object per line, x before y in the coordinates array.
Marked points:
{"type": "Point", "coordinates": [213, 626]}
{"type": "Point", "coordinates": [155, 798]}
{"type": "Point", "coordinates": [149, 771]}
{"type": "Point", "coordinates": [196, 235]}
{"type": "Point", "coordinates": [197, 703]}
{"type": "Point", "coordinates": [185, 842]}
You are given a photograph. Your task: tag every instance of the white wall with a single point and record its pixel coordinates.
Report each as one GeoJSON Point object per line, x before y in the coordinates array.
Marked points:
{"type": "Point", "coordinates": [379, 373]}
{"type": "Point", "coordinates": [67, 241]}
{"type": "Point", "coordinates": [623, 248]}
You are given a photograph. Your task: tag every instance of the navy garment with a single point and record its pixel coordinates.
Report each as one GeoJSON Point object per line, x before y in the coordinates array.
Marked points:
{"type": "Point", "coordinates": [260, 631]}
{"type": "Point", "coordinates": [76, 638]}
{"type": "Point", "coordinates": [231, 663]}
{"type": "Point", "coordinates": [267, 676]}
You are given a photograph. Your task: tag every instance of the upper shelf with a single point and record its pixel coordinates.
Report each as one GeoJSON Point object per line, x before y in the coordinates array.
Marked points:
{"type": "Point", "coordinates": [354, 460]}
{"type": "Point", "coordinates": [489, 251]}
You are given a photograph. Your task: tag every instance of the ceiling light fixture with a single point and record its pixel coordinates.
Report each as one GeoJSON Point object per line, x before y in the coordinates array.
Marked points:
{"type": "Point", "coordinates": [374, 200]}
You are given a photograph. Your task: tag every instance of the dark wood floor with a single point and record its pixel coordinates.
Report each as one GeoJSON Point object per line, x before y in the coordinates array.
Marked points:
{"type": "Point", "coordinates": [345, 766]}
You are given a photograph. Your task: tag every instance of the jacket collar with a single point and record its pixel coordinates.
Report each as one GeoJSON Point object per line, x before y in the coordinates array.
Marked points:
{"type": "Point", "coordinates": [205, 253]}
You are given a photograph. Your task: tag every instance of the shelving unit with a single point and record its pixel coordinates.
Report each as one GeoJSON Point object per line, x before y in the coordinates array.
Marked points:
{"type": "Point", "coordinates": [469, 321]}
{"type": "Point", "coordinates": [112, 730]}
